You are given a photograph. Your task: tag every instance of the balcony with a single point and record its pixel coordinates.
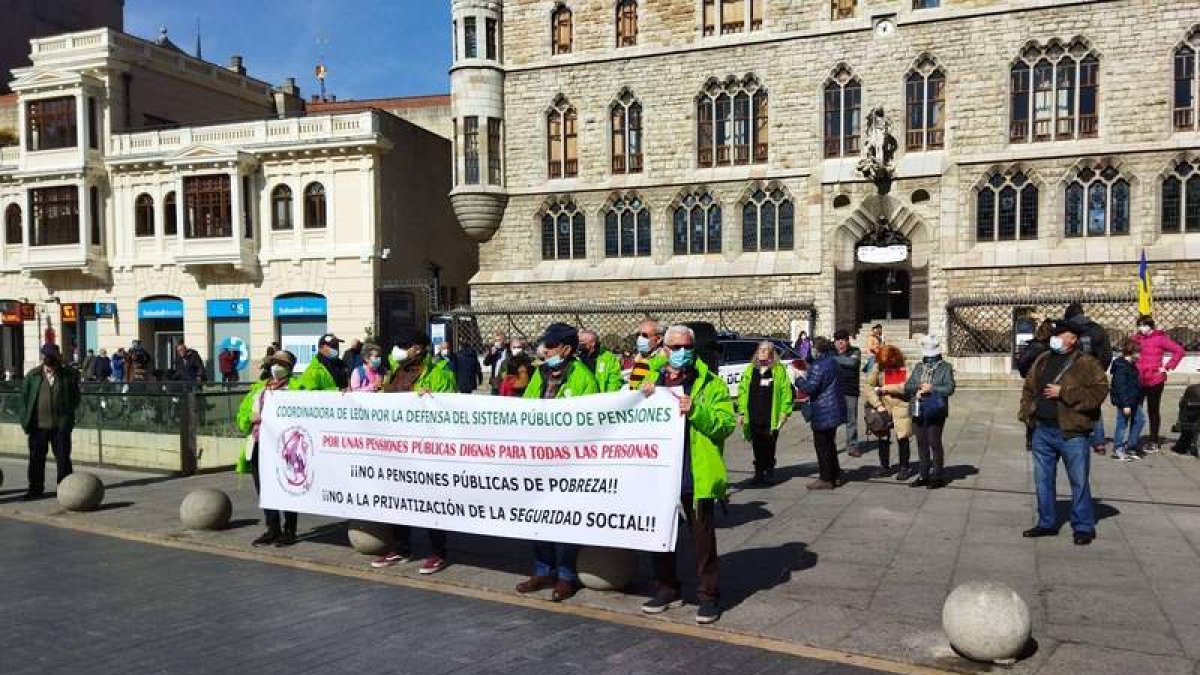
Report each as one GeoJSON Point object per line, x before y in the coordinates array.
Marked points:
{"type": "Point", "coordinates": [275, 134]}
{"type": "Point", "coordinates": [88, 260]}
{"type": "Point", "coordinates": [234, 251]}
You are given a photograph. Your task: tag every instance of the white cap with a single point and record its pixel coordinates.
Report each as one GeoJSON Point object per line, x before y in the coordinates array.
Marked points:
{"type": "Point", "coordinates": [931, 346]}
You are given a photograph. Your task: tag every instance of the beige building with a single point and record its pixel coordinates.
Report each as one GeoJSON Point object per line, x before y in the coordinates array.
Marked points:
{"type": "Point", "coordinates": [603, 147]}
{"type": "Point", "coordinates": [131, 212]}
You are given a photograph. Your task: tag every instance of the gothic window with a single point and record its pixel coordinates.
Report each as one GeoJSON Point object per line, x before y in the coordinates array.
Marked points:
{"type": "Point", "coordinates": [50, 123]}
{"type": "Point", "coordinates": [560, 30]}
{"type": "Point", "coordinates": [626, 120]}
{"type": "Point", "coordinates": [170, 215]}
{"type": "Point", "coordinates": [470, 38]}
{"type": "Point", "coordinates": [843, 9]}
{"type": "Point", "coordinates": [731, 123]}
{"type": "Point", "coordinates": [768, 222]}
{"type": "Point", "coordinates": [471, 150]}
{"type": "Point", "coordinates": [281, 208]}
{"type": "Point", "coordinates": [843, 113]}
{"type": "Point", "coordinates": [1053, 93]}
{"type": "Point", "coordinates": [562, 137]}
{"type": "Point", "coordinates": [925, 94]}
{"type": "Point", "coordinates": [1006, 208]}
{"type": "Point", "coordinates": [697, 225]}
{"type": "Point", "coordinates": [143, 216]}
{"type": "Point", "coordinates": [13, 231]}
{"type": "Point", "coordinates": [493, 150]}
{"type": "Point", "coordinates": [1186, 83]}
{"type": "Point", "coordinates": [1181, 199]}
{"type": "Point", "coordinates": [627, 23]}
{"type": "Point", "coordinates": [731, 16]}
{"type": "Point", "coordinates": [627, 228]}
{"type": "Point", "coordinates": [563, 232]}
{"type": "Point", "coordinates": [1097, 203]}
{"type": "Point", "coordinates": [314, 206]}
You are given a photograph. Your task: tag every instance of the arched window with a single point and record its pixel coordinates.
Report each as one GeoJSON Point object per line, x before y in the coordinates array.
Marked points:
{"type": "Point", "coordinates": [1097, 203]}
{"type": "Point", "coordinates": [697, 225]}
{"type": "Point", "coordinates": [843, 113]}
{"type": "Point", "coordinates": [281, 208]}
{"type": "Point", "coordinates": [13, 231]}
{"type": "Point", "coordinates": [625, 115]}
{"type": "Point", "coordinates": [768, 222]}
{"type": "Point", "coordinates": [560, 30]}
{"type": "Point", "coordinates": [1186, 84]}
{"type": "Point", "coordinates": [314, 206]}
{"type": "Point", "coordinates": [1181, 199]}
{"type": "Point", "coordinates": [143, 216]}
{"type": "Point", "coordinates": [627, 228]}
{"type": "Point", "coordinates": [731, 123]}
{"type": "Point", "coordinates": [925, 98]}
{"type": "Point", "coordinates": [1063, 81]}
{"type": "Point", "coordinates": [170, 215]}
{"type": "Point", "coordinates": [563, 232]}
{"type": "Point", "coordinates": [627, 23]}
{"type": "Point", "coordinates": [562, 140]}
{"type": "Point", "coordinates": [1006, 208]}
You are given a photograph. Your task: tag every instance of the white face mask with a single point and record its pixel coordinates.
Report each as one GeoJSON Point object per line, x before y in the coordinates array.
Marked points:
{"type": "Point", "coordinates": [1144, 329]}
{"type": "Point", "coordinates": [399, 354]}
{"type": "Point", "coordinates": [279, 372]}
{"type": "Point", "coordinates": [1056, 344]}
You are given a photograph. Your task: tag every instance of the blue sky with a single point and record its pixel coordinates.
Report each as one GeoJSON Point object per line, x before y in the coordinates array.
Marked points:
{"type": "Point", "coordinates": [373, 48]}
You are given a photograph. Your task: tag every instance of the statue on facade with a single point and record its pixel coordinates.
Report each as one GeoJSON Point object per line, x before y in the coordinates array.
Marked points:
{"type": "Point", "coordinates": [879, 149]}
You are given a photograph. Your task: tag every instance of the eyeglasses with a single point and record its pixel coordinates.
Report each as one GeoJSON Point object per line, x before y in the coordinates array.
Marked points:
{"type": "Point", "coordinates": [647, 335]}
{"type": "Point", "coordinates": [676, 348]}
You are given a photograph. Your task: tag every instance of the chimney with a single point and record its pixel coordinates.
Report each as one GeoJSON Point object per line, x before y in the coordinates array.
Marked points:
{"type": "Point", "coordinates": [333, 98]}
{"type": "Point", "coordinates": [316, 99]}
{"type": "Point", "coordinates": [289, 87]}
{"type": "Point", "coordinates": [235, 64]}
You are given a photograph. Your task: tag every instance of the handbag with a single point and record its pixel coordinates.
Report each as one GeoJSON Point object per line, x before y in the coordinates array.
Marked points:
{"type": "Point", "coordinates": [878, 423]}
{"type": "Point", "coordinates": [933, 405]}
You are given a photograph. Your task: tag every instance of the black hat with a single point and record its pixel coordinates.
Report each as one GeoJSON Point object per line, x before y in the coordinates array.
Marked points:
{"type": "Point", "coordinates": [561, 334]}
{"type": "Point", "coordinates": [329, 340]}
{"type": "Point", "coordinates": [1068, 325]}
{"type": "Point", "coordinates": [51, 350]}
{"type": "Point", "coordinates": [841, 335]}
{"type": "Point", "coordinates": [408, 337]}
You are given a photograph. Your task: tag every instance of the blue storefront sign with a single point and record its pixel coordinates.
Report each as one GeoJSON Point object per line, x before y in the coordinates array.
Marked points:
{"type": "Point", "coordinates": [163, 308]}
{"type": "Point", "coordinates": [301, 306]}
{"type": "Point", "coordinates": [236, 308]}
{"type": "Point", "coordinates": [104, 309]}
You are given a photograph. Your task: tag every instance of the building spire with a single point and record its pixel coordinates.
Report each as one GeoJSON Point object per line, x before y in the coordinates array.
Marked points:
{"type": "Point", "coordinates": [199, 53]}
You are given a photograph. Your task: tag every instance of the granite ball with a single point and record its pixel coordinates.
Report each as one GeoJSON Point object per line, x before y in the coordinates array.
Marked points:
{"type": "Point", "coordinates": [986, 621]}
{"type": "Point", "coordinates": [606, 569]}
{"type": "Point", "coordinates": [371, 538]}
{"type": "Point", "coordinates": [80, 492]}
{"type": "Point", "coordinates": [206, 509]}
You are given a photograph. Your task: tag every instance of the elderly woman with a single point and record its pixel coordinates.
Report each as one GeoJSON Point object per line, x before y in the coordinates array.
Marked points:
{"type": "Point", "coordinates": [929, 388]}
{"type": "Point", "coordinates": [764, 404]}
{"type": "Point", "coordinates": [369, 375]}
{"type": "Point", "coordinates": [889, 371]}
{"type": "Point", "coordinates": [249, 420]}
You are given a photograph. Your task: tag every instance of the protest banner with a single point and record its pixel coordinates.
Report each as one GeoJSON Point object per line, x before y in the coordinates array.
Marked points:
{"type": "Point", "coordinates": [599, 470]}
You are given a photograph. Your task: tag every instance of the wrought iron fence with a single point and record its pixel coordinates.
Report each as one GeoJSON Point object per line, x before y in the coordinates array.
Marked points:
{"type": "Point", "coordinates": [984, 324]}
{"type": "Point", "coordinates": [617, 323]}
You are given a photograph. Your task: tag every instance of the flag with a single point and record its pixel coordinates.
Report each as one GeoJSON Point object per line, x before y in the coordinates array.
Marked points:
{"type": "Point", "coordinates": [1145, 303]}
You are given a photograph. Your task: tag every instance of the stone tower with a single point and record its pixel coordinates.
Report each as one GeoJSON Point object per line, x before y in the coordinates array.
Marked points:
{"type": "Point", "coordinates": [477, 105]}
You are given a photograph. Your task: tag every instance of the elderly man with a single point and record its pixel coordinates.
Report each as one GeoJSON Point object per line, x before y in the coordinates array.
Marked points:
{"type": "Point", "coordinates": [604, 364]}
{"type": "Point", "coordinates": [49, 398]}
{"type": "Point", "coordinates": [849, 364]}
{"type": "Point", "coordinates": [1061, 399]}
{"type": "Point", "coordinates": [649, 352]}
{"type": "Point", "coordinates": [704, 402]}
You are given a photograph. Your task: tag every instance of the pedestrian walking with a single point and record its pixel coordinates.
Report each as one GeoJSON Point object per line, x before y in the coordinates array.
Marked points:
{"type": "Point", "coordinates": [764, 406]}
{"type": "Point", "coordinates": [827, 403]}
{"type": "Point", "coordinates": [705, 405]}
{"type": "Point", "coordinates": [929, 388]}
{"type": "Point", "coordinates": [1062, 397]}
{"type": "Point", "coordinates": [188, 366]}
{"type": "Point", "coordinates": [370, 373]}
{"type": "Point", "coordinates": [1126, 397]}
{"type": "Point", "coordinates": [281, 526]}
{"type": "Point", "coordinates": [227, 363]}
{"type": "Point", "coordinates": [118, 365]}
{"type": "Point", "coordinates": [1154, 346]}
{"type": "Point", "coordinates": [1037, 345]}
{"type": "Point", "coordinates": [849, 365]}
{"type": "Point", "coordinates": [883, 392]}
{"type": "Point", "coordinates": [50, 396]}
{"type": "Point", "coordinates": [1092, 340]}
{"type": "Point", "coordinates": [103, 367]}
{"type": "Point", "coordinates": [604, 364]}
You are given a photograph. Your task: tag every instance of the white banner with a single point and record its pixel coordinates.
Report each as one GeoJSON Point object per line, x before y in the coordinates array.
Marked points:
{"type": "Point", "coordinates": [600, 470]}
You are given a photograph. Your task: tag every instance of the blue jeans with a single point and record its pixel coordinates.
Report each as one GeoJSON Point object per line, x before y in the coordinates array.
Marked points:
{"type": "Point", "coordinates": [1097, 437]}
{"type": "Point", "coordinates": [1134, 425]}
{"type": "Point", "coordinates": [1048, 445]}
{"type": "Point", "coordinates": [552, 559]}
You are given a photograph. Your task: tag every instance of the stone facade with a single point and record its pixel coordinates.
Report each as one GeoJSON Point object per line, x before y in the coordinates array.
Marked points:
{"type": "Point", "coordinates": [798, 47]}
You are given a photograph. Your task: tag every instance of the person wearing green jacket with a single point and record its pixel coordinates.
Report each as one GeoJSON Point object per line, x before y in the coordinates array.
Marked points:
{"type": "Point", "coordinates": [709, 420]}
{"type": "Point", "coordinates": [561, 375]}
{"type": "Point", "coordinates": [326, 371]}
{"type": "Point", "coordinates": [50, 396]}
{"type": "Point", "coordinates": [414, 370]}
{"type": "Point", "coordinates": [604, 364]}
{"type": "Point", "coordinates": [249, 420]}
{"type": "Point", "coordinates": [764, 405]}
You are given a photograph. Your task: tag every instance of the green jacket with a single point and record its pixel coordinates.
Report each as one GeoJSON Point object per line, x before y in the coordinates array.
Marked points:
{"type": "Point", "coordinates": [711, 422]}
{"type": "Point", "coordinates": [66, 396]}
{"type": "Point", "coordinates": [579, 382]}
{"type": "Point", "coordinates": [316, 377]}
{"type": "Point", "coordinates": [781, 398]}
{"type": "Point", "coordinates": [608, 371]}
{"type": "Point", "coordinates": [245, 415]}
{"type": "Point", "coordinates": [437, 377]}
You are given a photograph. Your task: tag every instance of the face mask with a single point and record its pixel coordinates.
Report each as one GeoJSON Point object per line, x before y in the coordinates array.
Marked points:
{"type": "Point", "coordinates": [931, 359]}
{"type": "Point", "coordinates": [681, 358]}
{"type": "Point", "coordinates": [1056, 344]}
{"type": "Point", "coordinates": [331, 352]}
{"type": "Point", "coordinates": [1144, 330]}
{"type": "Point", "coordinates": [376, 361]}
{"type": "Point", "coordinates": [554, 361]}
{"type": "Point", "coordinates": [399, 354]}
{"type": "Point", "coordinates": [279, 372]}
{"type": "Point", "coordinates": [643, 345]}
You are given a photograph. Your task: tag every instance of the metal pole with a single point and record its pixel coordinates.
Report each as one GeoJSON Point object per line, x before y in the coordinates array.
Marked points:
{"type": "Point", "coordinates": [187, 434]}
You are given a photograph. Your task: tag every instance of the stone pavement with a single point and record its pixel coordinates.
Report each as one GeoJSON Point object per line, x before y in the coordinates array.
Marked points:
{"type": "Point", "coordinates": [863, 569]}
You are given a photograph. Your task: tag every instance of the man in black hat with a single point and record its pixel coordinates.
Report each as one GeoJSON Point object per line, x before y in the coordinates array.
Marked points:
{"type": "Point", "coordinates": [49, 398]}
{"type": "Point", "coordinates": [1061, 400]}
{"type": "Point", "coordinates": [326, 372]}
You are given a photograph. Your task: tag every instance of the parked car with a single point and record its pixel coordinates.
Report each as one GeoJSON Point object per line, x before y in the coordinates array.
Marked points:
{"type": "Point", "coordinates": [738, 351]}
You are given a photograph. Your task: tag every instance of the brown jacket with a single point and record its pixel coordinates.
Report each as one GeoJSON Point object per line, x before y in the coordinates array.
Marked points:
{"type": "Point", "coordinates": [1084, 387]}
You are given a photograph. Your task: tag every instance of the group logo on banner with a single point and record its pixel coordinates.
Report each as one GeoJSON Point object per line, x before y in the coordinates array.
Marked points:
{"type": "Point", "coordinates": [600, 470]}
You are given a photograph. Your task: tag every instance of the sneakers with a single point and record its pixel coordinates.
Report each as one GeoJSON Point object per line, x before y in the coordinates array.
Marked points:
{"type": "Point", "coordinates": [1121, 455]}
{"type": "Point", "coordinates": [664, 599]}
{"type": "Point", "coordinates": [1151, 448]}
{"type": "Point", "coordinates": [904, 473]}
{"type": "Point", "coordinates": [391, 558]}
{"type": "Point", "coordinates": [709, 612]}
{"type": "Point", "coordinates": [432, 565]}
{"type": "Point", "coordinates": [266, 539]}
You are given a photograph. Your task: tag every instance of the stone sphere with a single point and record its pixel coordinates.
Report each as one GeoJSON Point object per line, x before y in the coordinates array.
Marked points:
{"type": "Point", "coordinates": [371, 538]}
{"type": "Point", "coordinates": [80, 492]}
{"type": "Point", "coordinates": [206, 509]}
{"type": "Point", "coordinates": [986, 621]}
{"type": "Point", "coordinates": [606, 569]}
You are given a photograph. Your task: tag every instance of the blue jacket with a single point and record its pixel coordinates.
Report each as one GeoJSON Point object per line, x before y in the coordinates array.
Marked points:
{"type": "Point", "coordinates": [1125, 389]}
{"type": "Point", "coordinates": [826, 401]}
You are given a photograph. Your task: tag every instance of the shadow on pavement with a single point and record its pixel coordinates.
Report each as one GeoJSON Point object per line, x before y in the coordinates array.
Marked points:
{"type": "Point", "coordinates": [761, 569]}
{"type": "Point", "coordinates": [736, 515]}
{"type": "Point", "coordinates": [959, 472]}
{"type": "Point", "coordinates": [109, 506]}
{"type": "Point", "coordinates": [1062, 509]}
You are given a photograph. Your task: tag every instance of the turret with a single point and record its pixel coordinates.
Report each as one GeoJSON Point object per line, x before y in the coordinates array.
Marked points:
{"type": "Point", "coordinates": [477, 104]}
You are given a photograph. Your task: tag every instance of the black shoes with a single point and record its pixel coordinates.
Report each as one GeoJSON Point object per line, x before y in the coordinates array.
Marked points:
{"type": "Point", "coordinates": [883, 472]}
{"type": "Point", "coordinates": [33, 496]}
{"type": "Point", "coordinates": [269, 537]}
{"type": "Point", "coordinates": [664, 599]}
{"type": "Point", "coordinates": [709, 611]}
{"type": "Point", "coordinates": [904, 473]}
{"type": "Point", "coordinates": [1084, 538]}
{"type": "Point", "coordinates": [1039, 532]}
{"type": "Point", "coordinates": [285, 539]}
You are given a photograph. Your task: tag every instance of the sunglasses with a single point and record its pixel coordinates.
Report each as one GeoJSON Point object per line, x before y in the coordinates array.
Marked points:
{"type": "Point", "coordinates": [678, 347]}
{"type": "Point", "coordinates": [648, 335]}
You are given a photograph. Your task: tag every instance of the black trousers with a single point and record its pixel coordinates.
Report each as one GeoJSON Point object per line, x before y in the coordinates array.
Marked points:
{"type": "Point", "coordinates": [763, 440]}
{"type": "Point", "coordinates": [437, 540]}
{"type": "Point", "coordinates": [929, 447]}
{"type": "Point", "coordinates": [41, 441]}
{"type": "Point", "coordinates": [272, 516]}
{"type": "Point", "coordinates": [885, 452]}
{"type": "Point", "coordinates": [702, 524]}
{"type": "Point", "coordinates": [1154, 408]}
{"type": "Point", "coordinates": [825, 441]}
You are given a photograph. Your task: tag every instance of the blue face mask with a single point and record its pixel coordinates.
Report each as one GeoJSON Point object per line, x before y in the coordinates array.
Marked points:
{"type": "Point", "coordinates": [376, 361]}
{"type": "Point", "coordinates": [682, 358]}
{"type": "Point", "coordinates": [643, 345]}
{"type": "Point", "coordinates": [554, 361]}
